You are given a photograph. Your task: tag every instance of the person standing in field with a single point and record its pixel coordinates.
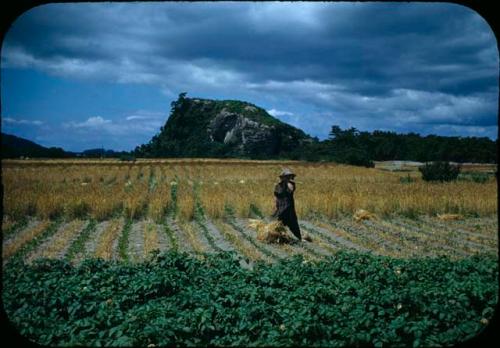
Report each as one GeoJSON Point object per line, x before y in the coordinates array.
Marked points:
{"type": "Point", "coordinates": [285, 205]}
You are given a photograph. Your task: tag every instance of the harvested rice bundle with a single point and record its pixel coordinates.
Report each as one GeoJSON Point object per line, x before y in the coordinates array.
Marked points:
{"type": "Point", "coordinates": [273, 232]}
{"type": "Point", "coordinates": [362, 214]}
{"type": "Point", "coordinates": [306, 236]}
{"type": "Point", "coordinates": [446, 217]}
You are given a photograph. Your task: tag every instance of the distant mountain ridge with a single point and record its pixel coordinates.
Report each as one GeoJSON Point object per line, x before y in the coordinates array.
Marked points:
{"type": "Point", "coordinates": [15, 147]}
{"type": "Point", "coordinates": [222, 128]}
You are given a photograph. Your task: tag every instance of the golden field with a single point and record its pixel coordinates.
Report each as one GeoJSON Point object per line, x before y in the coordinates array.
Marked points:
{"type": "Point", "coordinates": [106, 189]}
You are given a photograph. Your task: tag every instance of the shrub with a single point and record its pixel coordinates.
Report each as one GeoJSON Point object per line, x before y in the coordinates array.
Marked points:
{"type": "Point", "coordinates": [406, 179]}
{"type": "Point", "coordinates": [439, 171]}
{"type": "Point", "coordinates": [127, 158]}
{"type": "Point", "coordinates": [476, 177]}
{"type": "Point", "coordinates": [355, 157]}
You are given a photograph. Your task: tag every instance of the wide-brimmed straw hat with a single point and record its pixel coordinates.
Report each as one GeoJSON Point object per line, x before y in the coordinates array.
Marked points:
{"type": "Point", "coordinates": [286, 172]}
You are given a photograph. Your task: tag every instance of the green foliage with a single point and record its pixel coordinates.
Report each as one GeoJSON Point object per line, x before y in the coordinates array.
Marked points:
{"type": "Point", "coordinates": [15, 147]}
{"type": "Point", "coordinates": [172, 207]}
{"type": "Point", "coordinates": [185, 135]}
{"type": "Point", "coordinates": [350, 147]}
{"type": "Point", "coordinates": [17, 226]}
{"type": "Point", "coordinates": [172, 299]}
{"type": "Point", "coordinates": [477, 177]}
{"type": "Point", "coordinates": [254, 210]}
{"type": "Point", "coordinates": [171, 237]}
{"type": "Point", "coordinates": [123, 241]}
{"type": "Point", "coordinates": [406, 179]}
{"type": "Point", "coordinates": [77, 210]}
{"type": "Point", "coordinates": [439, 171]}
{"type": "Point", "coordinates": [127, 157]}
{"type": "Point", "coordinates": [78, 244]}
{"type": "Point", "coordinates": [172, 212]}
{"type": "Point", "coordinates": [355, 147]}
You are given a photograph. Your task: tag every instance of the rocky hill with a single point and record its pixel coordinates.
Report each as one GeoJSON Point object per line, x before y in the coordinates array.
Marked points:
{"type": "Point", "coordinates": [222, 128]}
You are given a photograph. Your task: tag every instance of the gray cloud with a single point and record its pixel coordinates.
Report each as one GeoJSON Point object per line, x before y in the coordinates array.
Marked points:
{"type": "Point", "coordinates": [406, 65]}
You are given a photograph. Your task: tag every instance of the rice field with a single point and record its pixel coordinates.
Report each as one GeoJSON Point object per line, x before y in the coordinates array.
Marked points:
{"type": "Point", "coordinates": [124, 211]}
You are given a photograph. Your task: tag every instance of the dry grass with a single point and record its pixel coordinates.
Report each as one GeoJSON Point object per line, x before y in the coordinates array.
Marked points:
{"type": "Point", "coordinates": [230, 234]}
{"type": "Point", "coordinates": [104, 248]}
{"type": "Point", "coordinates": [61, 240]}
{"type": "Point", "coordinates": [192, 237]}
{"type": "Point", "coordinates": [362, 214]}
{"type": "Point", "coordinates": [105, 188]}
{"type": "Point", "coordinates": [185, 200]}
{"type": "Point", "coordinates": [150, 238]}
{"type": "Point", "coordinates": [318, 240]}
{"type": "Point", "coordinates": [447, 217]}
{"type": "Point", "coordinates": [7, 223]}
{"type": "Point", "coordinates": [22, 238]}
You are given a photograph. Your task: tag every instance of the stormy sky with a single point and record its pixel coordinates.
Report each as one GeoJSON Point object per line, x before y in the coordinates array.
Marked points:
{"type": "Point", "coordinates": [83, 76]}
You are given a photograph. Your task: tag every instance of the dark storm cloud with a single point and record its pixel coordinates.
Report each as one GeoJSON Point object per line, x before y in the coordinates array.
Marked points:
{"type": "Point", "coordinates": [424, 63]}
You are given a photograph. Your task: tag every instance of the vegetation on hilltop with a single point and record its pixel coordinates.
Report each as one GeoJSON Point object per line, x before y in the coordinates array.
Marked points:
{"type": "Point", "coordinates": [186, 132]}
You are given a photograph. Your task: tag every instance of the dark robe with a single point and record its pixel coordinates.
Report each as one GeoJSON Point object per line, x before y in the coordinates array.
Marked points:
{"type": "Point", "coordinates": [285, 207]}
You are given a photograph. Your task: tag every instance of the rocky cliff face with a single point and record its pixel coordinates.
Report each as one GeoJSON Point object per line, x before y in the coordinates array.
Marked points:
{"type": "Point", "coordinates": [243, 133]}
{"type": "Point", "coordinates": [203, 127]}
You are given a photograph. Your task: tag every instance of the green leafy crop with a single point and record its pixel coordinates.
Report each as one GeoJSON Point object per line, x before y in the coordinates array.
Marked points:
{"type": "Point", "coordinates": [174, 299]}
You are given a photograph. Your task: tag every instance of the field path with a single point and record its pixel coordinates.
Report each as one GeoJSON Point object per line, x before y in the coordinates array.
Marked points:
{"type": "Point", "coordinates": [150, 236]}
{"type": "Point", "coordinates": [488, 225]}
{"type": "Point", "coordinates": [413, 244]}
{"type": "Point", "coordinates": [11, 228]}
{"type": "Point", "coordinates": [196, 238]}
{"type": "Point", "coordinates": [90, 246]}
{"type": "Point", "coordinates": [359, 235]}
{"type": "Point", "coordinates": [243, 246]}
{"type": "Point", "coordinates": [107, 245]}
{"type": "Point", "coordinates": [471, 236]}
{"type": "Point", "coordinates": [19, 232]}
{"type": "Point", "coordinates": [439, 244]}
{"type": "Point", "coordinates": [57, 245]}
{"type": "Point", "coordinates": [318, 231]}
{"type": "Point", "coordinates": [219, 239]}
{"type": "Point", "coordinates": [163, 241]}
{"type": "Point", "coordinates": [33, 230]}
{"type": "Point", "coordinates": [316, 249]}
{"type": "Point", "coordinates": [154, 238]}
{"type": "Point", "coordinates": [448, 236]}
{"type": "Point", "coordinates": [182, 239]}
{"type": "Point", "coordinates": [136, 241]}
{"type": "Point", "coordinates": [242, 227]}
{"type": "Point", "coordinates": [309, 249]}
{"type": "Point", "coordinates": [406, 247]}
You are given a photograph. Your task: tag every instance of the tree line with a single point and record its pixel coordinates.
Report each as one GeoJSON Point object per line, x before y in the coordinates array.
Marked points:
{"type": "Point", "coordinates": [349, 146]}
{"type": "Point", "coordinates": [362, 148]}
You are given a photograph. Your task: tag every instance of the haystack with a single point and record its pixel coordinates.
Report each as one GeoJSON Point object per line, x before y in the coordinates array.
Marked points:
{"type": "Point", "coordinates": [447, 217]}
{"type": "Point", "coordinates": [362, 214]}
{"type": "Point", "coordinates": [306, 236]}
{"type": "Point", "coordinates": [273, 232]}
